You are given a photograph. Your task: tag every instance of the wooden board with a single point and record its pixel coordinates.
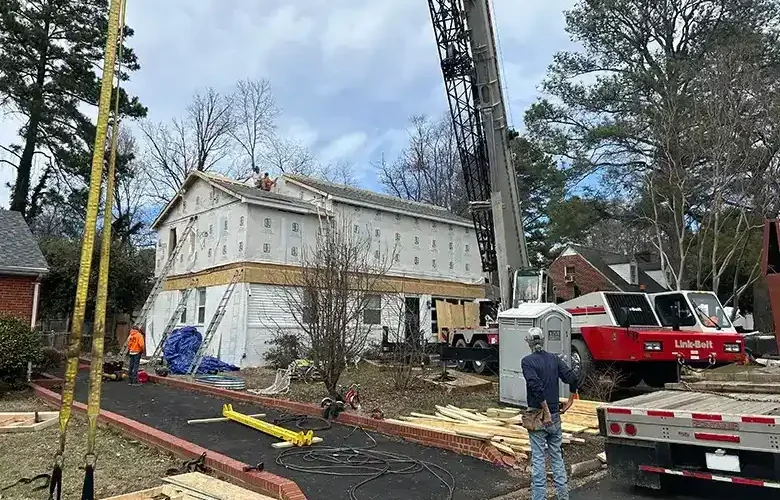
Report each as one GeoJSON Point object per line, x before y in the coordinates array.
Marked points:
{"type": "Point", "coordinates": [215, 488]}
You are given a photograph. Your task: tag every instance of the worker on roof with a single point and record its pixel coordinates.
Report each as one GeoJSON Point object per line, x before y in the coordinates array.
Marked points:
{"type": "Point", "coordinates": [266, 183]}
{"type": "Point", "coordinates": [135, 348]}
{"type": "Point", "coordinates": [542, 370]}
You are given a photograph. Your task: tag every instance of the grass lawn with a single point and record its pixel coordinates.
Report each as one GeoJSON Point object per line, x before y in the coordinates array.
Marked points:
{"type": "Point", "coordinates": [123, 465]}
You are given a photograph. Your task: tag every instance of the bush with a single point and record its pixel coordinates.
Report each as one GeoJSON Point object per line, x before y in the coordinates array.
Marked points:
{"type": "Point", "coordinates": [19, 345]}
{"type": "Point", "coordinates": [51, 359]}
{"type": "Point", "coordinates": [285, 348]}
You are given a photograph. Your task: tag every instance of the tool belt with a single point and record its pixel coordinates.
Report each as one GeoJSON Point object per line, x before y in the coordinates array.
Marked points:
{"type": "Point", "coordinates": [532, 419]}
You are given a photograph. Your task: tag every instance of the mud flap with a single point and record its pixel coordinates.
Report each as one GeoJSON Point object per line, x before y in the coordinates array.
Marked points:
{"type": "Point", "coordinates": [624, 458]}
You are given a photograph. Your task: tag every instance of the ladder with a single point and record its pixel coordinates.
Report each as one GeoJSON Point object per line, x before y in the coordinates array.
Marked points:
{"type": "Point", "coordinates": [160, 281]}
{"type": "Point", "coordinates": [173, 320]}
{"type": "Point", "coordinates": [215, 321]}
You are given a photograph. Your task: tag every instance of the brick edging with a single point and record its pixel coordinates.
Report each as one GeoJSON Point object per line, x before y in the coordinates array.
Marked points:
{"type": "Point", "coordinates": [458, 444]}
{"type": "Point", "coordinates": [261, 482]}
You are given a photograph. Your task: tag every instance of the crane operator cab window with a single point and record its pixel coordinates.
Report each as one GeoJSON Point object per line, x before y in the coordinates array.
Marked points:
{"type": "Point", "coordinates": [709, 311]}
{"type": "Point", "coordinates": [673, 310]}
{"type": "Point", "coordinates": [532, 286]}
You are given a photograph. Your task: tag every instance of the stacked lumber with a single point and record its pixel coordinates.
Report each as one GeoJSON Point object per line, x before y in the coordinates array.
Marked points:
{"type": "Point", "coordinates": [500, 427]}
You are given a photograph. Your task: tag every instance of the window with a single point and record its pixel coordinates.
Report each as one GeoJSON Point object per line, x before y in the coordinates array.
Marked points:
{"type": "Point", "coordinates": [468, 247]}
{"type": "Point", "coordinates": [172, 241]}
{"type": "Point", "coordinates": [241, 221]}
{"type": "Point", "coordinates": [211, 229]}
{"type": "Point", "coordinates": [451, 245]}
{"type": "Point", "coordinates": [673, 308]}
{"type": "Point", "coordinates": [433, 225]}
{"type": "Point", "coordinates": [201, 306]}
{"type": "Point", "coordinates": [378, 214]}
{"type": "Point", "coordinates": [452, 266]}
{"type": "Point", "coordinates": [295, 227]}
{"type": "Point", "coordinates": [468, 267]}
{"type": "Point", "coordinates": [433, 243]}
{"type": "Point", "coordinates": [210, 253]}
{"type": "Point", "coordinates": [416, 261]}
{"type": "Point", "coordinates": [240, 246]}
{"type": "Point", "coordinates": [309, 309]}
{"type": "Point", "coordinates": [197, 201]}
{"type": "Point", "coordinates": [416, 240]}
{"type": "Point", "coordinates": [376, 254]}
{"type": "Point", "coordinates": [449, 226]}
{"type": "Point", "coordinates": [433, 264]}
{"type": "Point", "coordinates": [355, 228]}
{"type": "Point", "coordinates": [377, 233]}
{"type": "Point", "coordinates": [183, 318]}
{"type": "Point", "coordinates": [225, 225]}
{"type": "Point", "coordinates": [372, 314]}
{"type": "Point", "coordinates": [267, 222]}
{"type": "Point", "coordinates": [398, 217]}
{"type": "Point", "coordinates": [181, 257]}
{"type": "Point", "coordinates": [294, 251]}
{"type": "Point", "coordinates": [266, 248]}
{"type": "Point", "coordinates": [568, 271]}
{"type": "Point", "coordinates": [224, 249]}
{"type": "Point", "coordinates": [184, 206]}
{"type": "Point", "coordinates": [397, 236]}
{"type": "Point", "coordinates": [357, 209]}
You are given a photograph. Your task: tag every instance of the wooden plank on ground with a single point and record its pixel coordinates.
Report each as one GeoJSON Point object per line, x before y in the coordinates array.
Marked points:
{"type": "Point", "coordinates": [219, 490]}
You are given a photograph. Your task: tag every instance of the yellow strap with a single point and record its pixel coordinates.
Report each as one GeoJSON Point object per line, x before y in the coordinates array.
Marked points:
{"type": "Point", "coordinates": [88, 244]}
{"type": "Point", "coordinates": [99, 333]}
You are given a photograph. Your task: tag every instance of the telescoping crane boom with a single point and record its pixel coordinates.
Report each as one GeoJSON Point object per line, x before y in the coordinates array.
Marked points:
{"type": "Point", "coordinates": [467, 49]}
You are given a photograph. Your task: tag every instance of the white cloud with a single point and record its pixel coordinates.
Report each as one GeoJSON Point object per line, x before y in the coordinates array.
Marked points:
{"type": "Point", "coordinates": [343, 147]}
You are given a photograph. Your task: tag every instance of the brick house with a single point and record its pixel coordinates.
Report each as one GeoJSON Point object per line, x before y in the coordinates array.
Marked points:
{"type": "Point", "coordinates": [22, 267]}
{"type": "Point", "coordinates": [579, 270]}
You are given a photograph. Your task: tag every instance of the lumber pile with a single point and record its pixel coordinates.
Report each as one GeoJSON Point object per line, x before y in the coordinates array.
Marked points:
{"type": "Point", "coordinates": [501, 427]}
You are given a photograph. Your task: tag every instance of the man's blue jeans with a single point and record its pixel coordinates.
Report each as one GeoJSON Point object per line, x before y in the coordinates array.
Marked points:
{"type": "Point", "coordinates": [551, 436]}
{"type": "Point", "coordinates": [132, 369]}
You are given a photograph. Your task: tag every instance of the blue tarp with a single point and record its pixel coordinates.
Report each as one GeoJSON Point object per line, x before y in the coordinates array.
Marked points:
{"type": "Point", "coordinates": [180, 349]}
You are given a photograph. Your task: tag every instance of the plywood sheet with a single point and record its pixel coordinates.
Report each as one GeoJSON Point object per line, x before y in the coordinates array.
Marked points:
{"type": "Point", "coordinates": [471, 314]}
{"type": "Point", "coordinates": [207, 485]}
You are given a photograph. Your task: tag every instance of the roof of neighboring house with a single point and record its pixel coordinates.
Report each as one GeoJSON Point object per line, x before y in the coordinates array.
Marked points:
{"type": "Point", "coordinates": [19, 252]}
{"type": "Point", "coordinates": [601, 261]}
{"type": "Point", "coordinates": [370, 197]}
{"type": "Point", "coordinates": [236, 188]}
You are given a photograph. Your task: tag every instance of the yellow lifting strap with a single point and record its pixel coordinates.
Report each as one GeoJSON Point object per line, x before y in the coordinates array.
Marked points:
{"type": "Point", "coordinates": [85, 267]}
{"type": "Point", "coordinates": [295, 438]}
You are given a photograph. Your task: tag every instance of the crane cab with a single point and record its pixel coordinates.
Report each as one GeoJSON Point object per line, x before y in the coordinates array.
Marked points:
{"type": "Point", "coordinates": [532, 285]}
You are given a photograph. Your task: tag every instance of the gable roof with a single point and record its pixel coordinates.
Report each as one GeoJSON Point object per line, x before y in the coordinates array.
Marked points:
{"type": "Point", "coordinates": [602, 260]}
{"type": "Point", "coordinates": [19, 252]}
{"type": "Point", "coordinates": [243, 192]}
{"type": "Point", "coordinates": [364, 196]}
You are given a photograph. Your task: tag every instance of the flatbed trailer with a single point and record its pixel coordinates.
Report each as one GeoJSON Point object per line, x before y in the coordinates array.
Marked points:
{"type": "Point", "coordinates": [732, 438]}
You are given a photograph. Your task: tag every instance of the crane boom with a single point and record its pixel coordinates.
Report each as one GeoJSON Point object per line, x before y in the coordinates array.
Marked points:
{"type": "Point", "coordinates": [467, 50]}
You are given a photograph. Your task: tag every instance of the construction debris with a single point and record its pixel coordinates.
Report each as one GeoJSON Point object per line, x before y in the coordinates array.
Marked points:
{"type": "Point", "coordinates": [501, 427]}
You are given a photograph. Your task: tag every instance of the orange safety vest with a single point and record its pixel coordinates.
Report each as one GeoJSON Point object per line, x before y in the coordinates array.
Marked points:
{"type": "Point", "coordinates": [135, 342]}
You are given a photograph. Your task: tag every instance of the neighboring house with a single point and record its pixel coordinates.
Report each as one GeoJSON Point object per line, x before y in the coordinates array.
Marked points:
{"type": "Point", "coordinates": [264, 234]}
{"type": "Point", "coordinates": [22, 267]}
{"type": "Point", "coordinates": [579, 270]}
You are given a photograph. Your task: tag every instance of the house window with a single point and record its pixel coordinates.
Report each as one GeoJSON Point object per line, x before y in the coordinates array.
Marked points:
{"type": "Point", "coordinates": [294, 251]}
{"type": "Point", "coordinates": [266, 248]}
{"type": "Point", "coordinates": [416, 261]}
{"type": "Point", "coordinates": [468, 267]}
{"type": "Point", "coordinates": [433, 225]}
{"type": "Point", "coordinates": [433, 264]}
{"type": "Point", "coordinates": [184, 206]}
{"type": "Point", "coordinates": [377, 233]}
{"type": "Point", "coordinates": [397, 217]}
{"type": "Point", "coordinates": [355, 228]}
{"type": "Point", "coordinates": [183, 318]}
{"type": "Point", "coordinates": [449, 226]}
{"type": "Point", "coordinates": [295, 227]}
{"type": "Point", "coordinates": [210, 253]}
{"type": "Point", "coordinates": [397, 236]}
{"type": "Point", "coordinates": [224, 249]}
{"type": "Point", "coordinates": [211, 229]}
{"type": "Point", "coordinates": [376, 254]}
{"type": "Point", "coordinates": [309, 307]}
{"type": "Point", "coordinates": [267, 222]}
{"type": "Point", "coordinates": [372, 314]}
{"type": "Point", "coordinates": [378, 214]}
{"type": "Point", "coordinates": [452, 266]}
{"type": "Point", "coordinates": [225, 225]}
{"type": "Point", "coordinates": [181, 257]}
{"type": "Point", "coordinates": [451, 246]}
{"type": "Point", "coordinates": [433, 243]}
{"type": "Point", "coordinates": [416, 240]}
{"type": "Point", "coordinates": [197, 201]}
{"type": "Point", "coordinates": [241, 221]}
{"type": "Point", "coordinates": [172, 241]}
{"type": "Point", "coordinates": [240, 246]}
{"type": "Point", "coordinates": [568, 271]}
{"type": "Point", "coordinates": [468, 247]}
{"type": "Point", "coordinates": [201, 306]}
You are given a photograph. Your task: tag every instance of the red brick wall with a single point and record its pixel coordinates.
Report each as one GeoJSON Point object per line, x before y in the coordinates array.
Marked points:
{"type": "Point", "coordinates": [16, 296]}
{"type": "Point", "coordinates": [586, 277]}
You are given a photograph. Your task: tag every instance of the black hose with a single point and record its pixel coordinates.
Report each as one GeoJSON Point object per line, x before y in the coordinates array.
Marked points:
{"type": "Point", "coordinates": [364, 461]}
{"type": "Point", "coordinates": [304, 422]}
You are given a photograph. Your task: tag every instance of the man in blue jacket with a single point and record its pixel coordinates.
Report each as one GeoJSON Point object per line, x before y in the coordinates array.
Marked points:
{"type": "Point", "coordinates": [542, 370]}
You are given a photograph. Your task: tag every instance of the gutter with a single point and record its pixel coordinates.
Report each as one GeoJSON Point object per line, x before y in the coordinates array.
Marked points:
{"type": "Point", "coordinates": [40, 272]}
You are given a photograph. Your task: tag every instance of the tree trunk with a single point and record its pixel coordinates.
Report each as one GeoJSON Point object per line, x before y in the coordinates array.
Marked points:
{"type": "Point", "coordinates": [24, 170]}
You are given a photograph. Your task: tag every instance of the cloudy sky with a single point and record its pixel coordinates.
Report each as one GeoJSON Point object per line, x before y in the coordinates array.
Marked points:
{"type": "Point", "coordinates": [346, 73]}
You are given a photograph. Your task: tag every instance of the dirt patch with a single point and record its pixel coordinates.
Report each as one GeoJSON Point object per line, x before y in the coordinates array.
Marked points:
{"type": "Point", "coordinates": [377, 391]}
{"type": "Point", "coordinates": [123, 465]}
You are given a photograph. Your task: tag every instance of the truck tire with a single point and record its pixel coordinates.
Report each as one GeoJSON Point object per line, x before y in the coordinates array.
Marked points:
{"type": "Point", "coordinates": [481, 367]}
{"type": "Point", "coordinates": [462, 365]}
{"type": "Point", "coordinates": [581, 360]}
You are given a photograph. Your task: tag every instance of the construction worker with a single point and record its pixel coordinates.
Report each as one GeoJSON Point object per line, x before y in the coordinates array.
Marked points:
{"type": "Point", "coordinates": [135, 348]}
{"type": "Point", "coordinates": [266, 182]}
{"type": "Point", "coordinates": [542, 370]}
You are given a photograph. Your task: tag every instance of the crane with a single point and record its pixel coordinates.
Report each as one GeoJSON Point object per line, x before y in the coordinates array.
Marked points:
{"type": "Point", "coordinates": [469, 63]}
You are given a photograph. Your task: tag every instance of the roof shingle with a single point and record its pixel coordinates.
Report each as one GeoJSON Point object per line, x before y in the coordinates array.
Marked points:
{"type": "Point", "coordinates": [18, 248]}
{"type": "Point", "coordinates": [602, 260]}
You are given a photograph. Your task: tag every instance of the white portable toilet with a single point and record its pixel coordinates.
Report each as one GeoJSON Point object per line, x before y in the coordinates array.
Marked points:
{"type": "Point", "coordinates": [513, 326]}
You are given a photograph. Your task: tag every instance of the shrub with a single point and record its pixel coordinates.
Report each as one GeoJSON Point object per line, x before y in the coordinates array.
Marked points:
{"type": "Point", "coordinates": [51, 359]}
{"type": "Point", "coordinates": [19, 345]}
{"type": "Point", "coordinates": [285, 348]}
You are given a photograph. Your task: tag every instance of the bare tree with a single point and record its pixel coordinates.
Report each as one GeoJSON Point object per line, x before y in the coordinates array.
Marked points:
{"type": "Point", "coordinates": [288, 157]}
{"type": "Point", "coordinates": [130, 194]}
{"type": "Point", "coordinates": [340, 172]}
{"type": "Point", "coordinates": [255, 113]}
{"type": "Point", "coordinates": [198, 141]}
{"type": "Point", "coordinates": [428, 169]}
{"type": "Point", "coordinates": [328, 295]}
